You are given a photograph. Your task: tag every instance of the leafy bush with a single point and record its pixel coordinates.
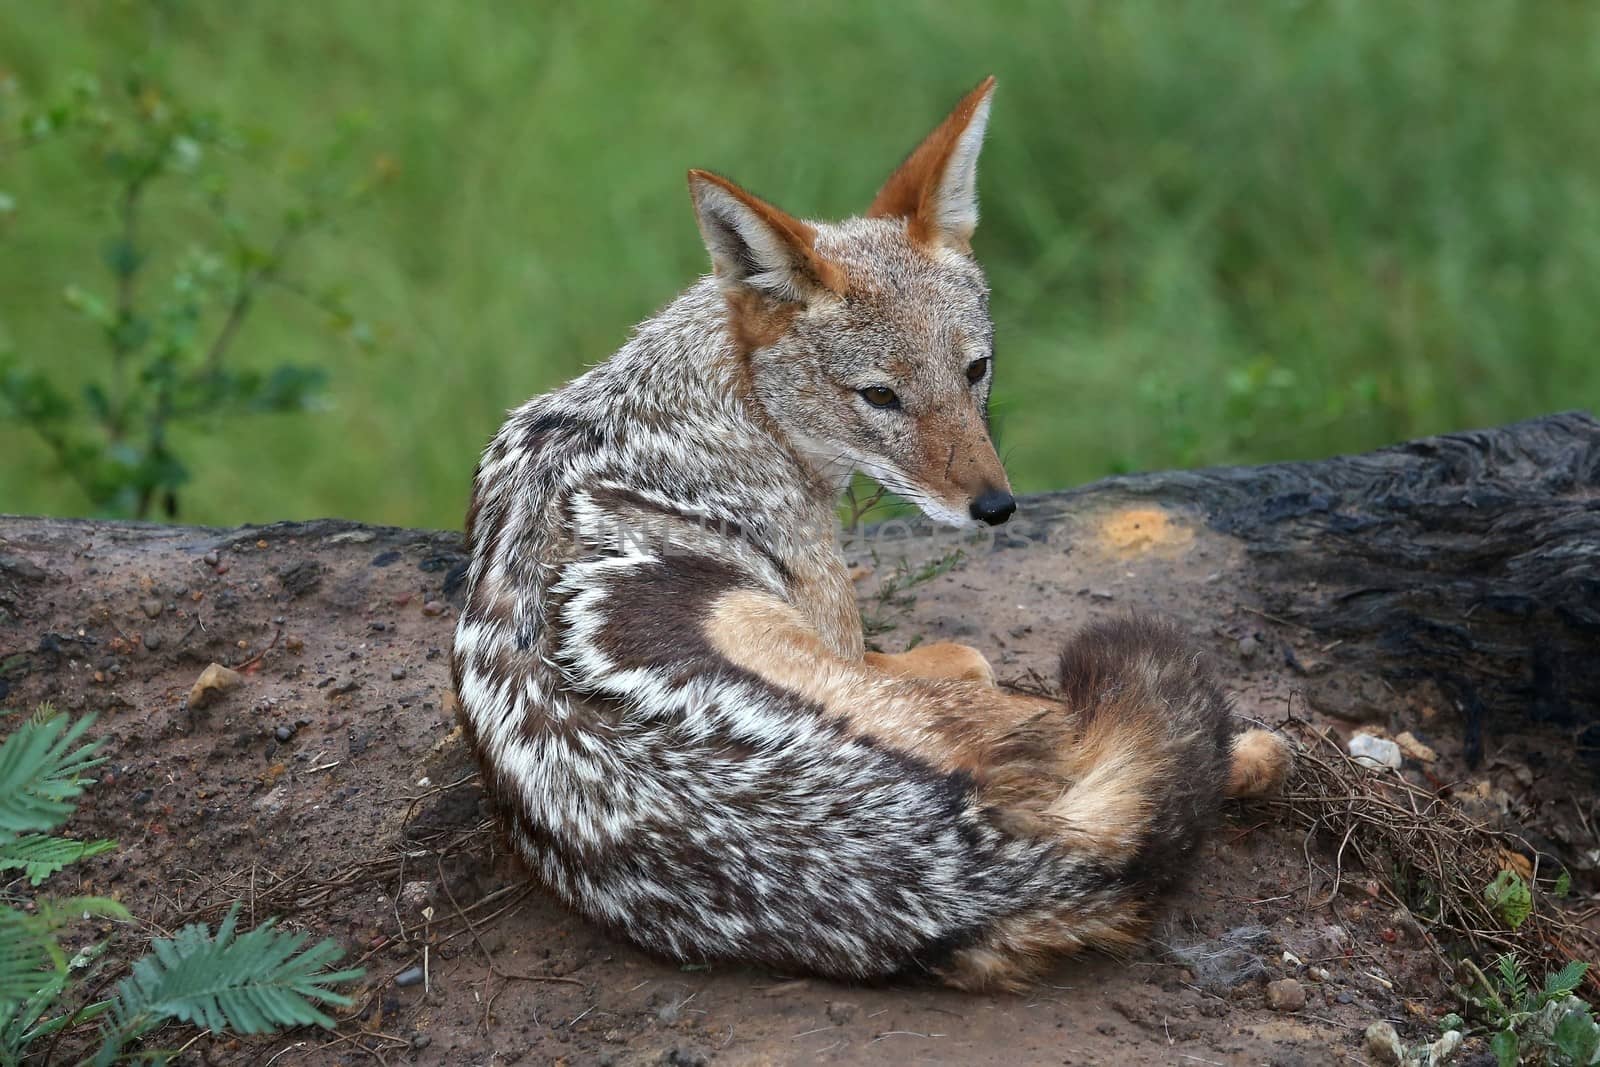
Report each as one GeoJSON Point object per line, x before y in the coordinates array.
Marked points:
{"type": "Point", "coordinates": [254, 982]}
{"type": "Point", "coordinates": [166, 347]}
{"type": "Point", "coordinates": [1534, 1025]}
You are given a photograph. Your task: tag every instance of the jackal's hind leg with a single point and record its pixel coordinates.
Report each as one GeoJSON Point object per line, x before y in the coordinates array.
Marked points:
{"type": "Point", "coordinates": [941, 660]}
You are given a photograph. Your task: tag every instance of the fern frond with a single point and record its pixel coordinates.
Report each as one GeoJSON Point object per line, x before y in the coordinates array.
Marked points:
{"type": "Point", "coordinates": [40, 856]}
{"type": "Point", "coordinates": [30, 959]}
{"type": "Point", "coordinates": [1564, 981]}
{"type": "Point", "coordinates": [19, 1020]}
{"type": "Point", "coordinates": [61, 911]}
{"type": "Point", "coordinates": [251, 983]}
{"type": "Point", "coordinates": [1513, 979]}
{"type": "Point", "coordinates": [41, 768]}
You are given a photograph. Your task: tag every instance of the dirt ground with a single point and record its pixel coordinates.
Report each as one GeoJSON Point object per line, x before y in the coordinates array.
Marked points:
{"type": "Point", "coordinates": [331, 789]}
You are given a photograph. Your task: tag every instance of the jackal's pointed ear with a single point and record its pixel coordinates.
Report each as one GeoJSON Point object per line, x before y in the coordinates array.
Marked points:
{"type": "Point", "coordinates": [936, 189]}
{"type": "Point", "coordinates": [756, 246]}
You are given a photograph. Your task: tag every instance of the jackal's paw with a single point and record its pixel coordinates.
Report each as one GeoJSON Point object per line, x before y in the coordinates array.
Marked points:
{"type": "Point", "coordinates": [1259, 764]}
{"type": "Point", "coordinates": [941, 660]}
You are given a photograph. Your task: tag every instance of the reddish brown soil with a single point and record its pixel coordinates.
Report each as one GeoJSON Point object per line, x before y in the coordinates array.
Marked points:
{"type": "Point", "coordinates": [343, 635]}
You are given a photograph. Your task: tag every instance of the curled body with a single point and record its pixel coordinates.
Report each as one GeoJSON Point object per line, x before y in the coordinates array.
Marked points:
{"type": "Point", "coordinates": [660, 663]}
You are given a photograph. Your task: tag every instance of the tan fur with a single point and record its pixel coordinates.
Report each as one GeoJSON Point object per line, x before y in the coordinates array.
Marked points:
{"type": "Point", "coordinates": [958, 460]}
{"type": "Point", "coordinates": [953, 724]}
{"type": "Point", "coordinates": [1113, 768]}
{"type": "Point", "coordinates": [758, 321]}
{"type": "Point", "coordinates": [1260, 763]}
{"type": "Point", "coordinates": [942, 659]}
{"type": "Point", "coordinates": [1021, 948]}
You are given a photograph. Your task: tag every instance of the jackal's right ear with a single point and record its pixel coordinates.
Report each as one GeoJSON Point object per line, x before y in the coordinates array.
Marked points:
{"type": "Point", "coordinates": [756, 246]}
{"type": "Point", "coordinates": [936, 189]}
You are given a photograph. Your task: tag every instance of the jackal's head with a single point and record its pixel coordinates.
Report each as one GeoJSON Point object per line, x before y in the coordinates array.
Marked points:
{"type": "Point", "coordinates": [868, 342]}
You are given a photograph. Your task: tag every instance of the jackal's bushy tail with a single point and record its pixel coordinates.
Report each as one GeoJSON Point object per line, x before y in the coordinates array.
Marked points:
{"type": "Point", "coordinates": [1148, 751]}
{"type": "Point", "coordinates": [1156, 749]}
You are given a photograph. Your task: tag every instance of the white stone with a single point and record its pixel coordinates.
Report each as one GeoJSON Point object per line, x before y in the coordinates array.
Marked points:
{"type": "Point", "coordinates": [1375, 751]}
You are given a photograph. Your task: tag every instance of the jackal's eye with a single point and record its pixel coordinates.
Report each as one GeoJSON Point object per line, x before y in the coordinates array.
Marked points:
{"type": "Point", "coordinates": [977, 369]}
{"type": "Point", "coordinates": [880, 396]}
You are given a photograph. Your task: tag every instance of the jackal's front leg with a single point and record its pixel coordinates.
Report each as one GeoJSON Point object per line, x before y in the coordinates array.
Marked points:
{"type": "Point", "coordinates": [938, 661]}
{"type": "Point", "coordinates": [949, 719]}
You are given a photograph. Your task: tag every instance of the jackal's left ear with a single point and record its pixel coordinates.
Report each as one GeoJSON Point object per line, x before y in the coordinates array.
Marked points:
{"type": "Point", "coordinates": [936, 189]}
{"type": "Point", "coordinates": [756, 246]}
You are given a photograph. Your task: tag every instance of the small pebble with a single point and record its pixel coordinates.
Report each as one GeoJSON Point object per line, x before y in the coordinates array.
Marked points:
{"type": "Point", "coordinates": [212, 683]}
{"type": "Point", "coordinates": [409, 978]}
{"type": "Point", "coordinates": [1375, 752]}
{"type": "Point", "coordinates": [397, 673]}
{"type": "Point", "coordinates": [283, 733]}
{"type": "Point", "coordinates": [435, 607]}
{"type": "Point", "coordinates": [1249, 647]}
{"type": "Point", "coordinates": [1286, 994]}
{"type": "Point", "coordinates": [294, 643]}
{"type": "Point", "coordinates": [212, 558]}
{"type": "Point", "coordinates": [152, 642]}
{"type": "Point", "coordinates": [151, 608]}
{"type": "Point", "coordinates": [415, 895]}
{"type": "Point", "coordinates": [1383, 1044]}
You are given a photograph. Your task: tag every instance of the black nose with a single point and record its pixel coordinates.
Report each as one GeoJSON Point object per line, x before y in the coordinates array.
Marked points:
{"type": "Point", "coordinates": [993, 506]}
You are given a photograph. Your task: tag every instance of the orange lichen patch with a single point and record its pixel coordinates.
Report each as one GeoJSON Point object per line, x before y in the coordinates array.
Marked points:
{"type": "Point", "coordinates": [1139, 531]}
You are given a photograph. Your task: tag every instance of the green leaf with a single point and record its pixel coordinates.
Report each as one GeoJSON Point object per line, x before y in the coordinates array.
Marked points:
{"type": "Point", "coordinates": [1577, 1037]}
{"type": "Point", "coordinates": [1513, 982]}
{"type": "Point", "coordinates": [1504, 1045]}
{"type": "Point", "coordinates": [1510, 897]}
{"type": "Point", "coordinates": [1563, 884]}
{"type": "Point", "coordinates": [19, 1020]}
{"type": "Point", "coordinates": [290, 388]}
{"type": "Point", "coordinates": [64, 911]}
{"type": "Point", "coordinates": [90, 306]}
{"type": "Point", "coordinates": [39, 856]}
{"type": "Point", "coordinates": [1564, 981]}
{"type": "Point", "coordinates": [95, 399]}
{"type": "Point", "coordinates": [250, 983]}
{"type": "Point", "coordinates": [1451, 1021]}
{"type": "Point", "coordinates": [30, 959]}
{"type": "Point", "coordinates": [32, 397]}
{"type": "Point", "coordinates": [122, 258]}
{"type": "Point", "coordinates": [41, 768]}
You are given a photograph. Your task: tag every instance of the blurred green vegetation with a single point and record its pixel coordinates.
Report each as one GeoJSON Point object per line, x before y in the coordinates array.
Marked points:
{"type": "Point", "coordinates": [1215, 232]}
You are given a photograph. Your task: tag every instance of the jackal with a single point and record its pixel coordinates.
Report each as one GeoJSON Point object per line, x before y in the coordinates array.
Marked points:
{"type": "Point", "coordinates": [683, 731]}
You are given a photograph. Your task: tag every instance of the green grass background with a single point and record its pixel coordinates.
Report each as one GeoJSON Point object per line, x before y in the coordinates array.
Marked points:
{"type": "Point", "coordinates": [1216, 231]}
